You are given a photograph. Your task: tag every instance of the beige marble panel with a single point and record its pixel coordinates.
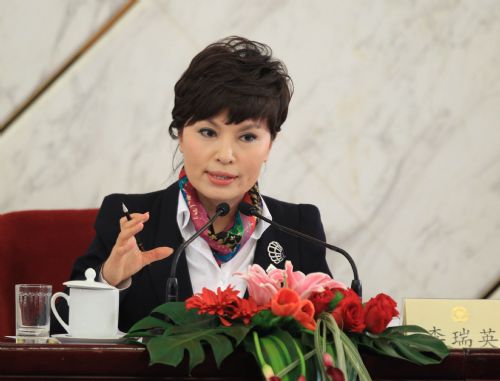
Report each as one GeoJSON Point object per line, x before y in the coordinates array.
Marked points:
{"type": "Point", "coordinates": [37, 37]}
{"type": "Point", "coordinates": [393, 128]}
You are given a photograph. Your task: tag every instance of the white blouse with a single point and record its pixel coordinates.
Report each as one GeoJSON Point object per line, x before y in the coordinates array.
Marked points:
{"type": "Point", "coordinates": [203, 268]}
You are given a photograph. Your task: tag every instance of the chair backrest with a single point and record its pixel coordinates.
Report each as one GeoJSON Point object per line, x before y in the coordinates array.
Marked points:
{"type": "Point", "coordinates": [39, 246]}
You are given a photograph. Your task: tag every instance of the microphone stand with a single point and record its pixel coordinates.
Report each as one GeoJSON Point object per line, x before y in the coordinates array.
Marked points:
{"type": "Point", "coordinates": [355, 284]}
{"type": "Point", "coordinates": [172, 283]}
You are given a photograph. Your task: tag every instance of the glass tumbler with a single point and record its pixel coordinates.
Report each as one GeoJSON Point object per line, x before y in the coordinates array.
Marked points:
{"type": "Point", "coordinates": [33, 310]}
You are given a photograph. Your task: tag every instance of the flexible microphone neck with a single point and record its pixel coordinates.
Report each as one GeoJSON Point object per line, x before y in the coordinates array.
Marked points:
{"type": "Point", "coordinates": [172, 283]}
{"type": "Point", "coordinates": [248, 210]}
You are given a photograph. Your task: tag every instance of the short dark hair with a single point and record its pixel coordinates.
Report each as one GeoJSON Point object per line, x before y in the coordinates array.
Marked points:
{"type": "Point", "coordinates": [237, 75]}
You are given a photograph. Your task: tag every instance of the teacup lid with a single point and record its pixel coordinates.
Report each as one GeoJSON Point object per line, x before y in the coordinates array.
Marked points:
{"type": "Point", "coordinates": [89, 283]}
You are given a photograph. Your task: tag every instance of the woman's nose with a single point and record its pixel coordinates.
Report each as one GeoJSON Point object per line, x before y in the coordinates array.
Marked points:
{"type": "Point", "coordinates": [225, 152]}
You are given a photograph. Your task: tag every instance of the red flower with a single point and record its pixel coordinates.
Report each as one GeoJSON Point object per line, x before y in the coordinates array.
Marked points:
{"type": "Point", "coordinates": [379, 311]}
{"type": "Point", "coordinates": [245, 309]}
{"type": "Point", "coordinates": [288, 303]}
{"type": "Point", "coordinates": [285, 302]}
{"type": "Point", "coordinates": [209, 302]}
{"type": "Point", "coordinates": [305, 315]}
{"type": "Point", "coordinates": [349, 313]}
{"type": "Point", "coordinates": [335, 374]}
{"type": "Point", "coordinates": [321, 300]}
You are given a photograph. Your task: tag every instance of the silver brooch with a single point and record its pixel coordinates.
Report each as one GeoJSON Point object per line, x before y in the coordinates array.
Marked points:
{"type": "Point", "coordinates": [275, 252]}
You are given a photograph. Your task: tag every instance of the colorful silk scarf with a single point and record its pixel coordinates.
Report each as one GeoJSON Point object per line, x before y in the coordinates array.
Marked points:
{"type": "Point", "coordinates": [225, 244]}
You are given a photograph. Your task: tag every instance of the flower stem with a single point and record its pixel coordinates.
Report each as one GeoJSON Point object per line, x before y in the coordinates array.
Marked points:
{"type": "Point", "coordinates": [301, 358]}
{"type": "Point", "coordinates": [324, 337]}
{"type": "Point", "coordinates": [317, 349]}
{"type": "Point", "coordinates": [258, 349]}
{"type": "Point", "coordinates": [293, 364]}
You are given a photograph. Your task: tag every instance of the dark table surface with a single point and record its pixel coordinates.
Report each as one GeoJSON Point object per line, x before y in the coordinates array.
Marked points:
{"type": "Point", "coordinates": [129, 362]}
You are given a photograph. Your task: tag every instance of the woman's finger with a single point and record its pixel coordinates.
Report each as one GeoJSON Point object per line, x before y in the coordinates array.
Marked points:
{"type": "Point", "coordinates": [156, 254]}
{"type": "Point", "coordinates": [129, 232]}
{"type": "Point", "coordinates": [136, 218]}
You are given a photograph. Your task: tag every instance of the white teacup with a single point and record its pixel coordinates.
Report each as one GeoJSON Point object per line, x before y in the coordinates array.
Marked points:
{"type": "Point", "coordinates": [93, 308]}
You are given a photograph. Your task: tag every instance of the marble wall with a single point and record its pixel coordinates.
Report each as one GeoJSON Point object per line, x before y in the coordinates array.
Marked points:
{"type": "Point", "coordinates": [393, 130]}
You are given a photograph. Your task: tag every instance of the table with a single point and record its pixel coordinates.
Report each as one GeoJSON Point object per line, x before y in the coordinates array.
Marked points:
{"type": "Point", "coordinates": [130, 362]}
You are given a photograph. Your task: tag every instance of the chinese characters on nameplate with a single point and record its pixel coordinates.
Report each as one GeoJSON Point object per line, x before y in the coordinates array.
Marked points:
{"type": "Point", "coordinates": [458, 323]}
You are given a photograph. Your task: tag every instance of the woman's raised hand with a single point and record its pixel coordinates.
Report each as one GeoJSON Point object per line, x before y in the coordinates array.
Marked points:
{"type": "Point", "coordinates": [126, 259]}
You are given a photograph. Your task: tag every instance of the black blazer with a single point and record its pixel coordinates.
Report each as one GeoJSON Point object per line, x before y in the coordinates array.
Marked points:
{"type": "Point", "coordinates": [148, 288]}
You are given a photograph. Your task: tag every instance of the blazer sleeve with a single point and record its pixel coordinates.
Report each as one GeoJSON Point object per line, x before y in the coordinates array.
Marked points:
{"type": "Point", "coordinates": [107, 228]}
{"type": "Point", "coordinates": [313, 256]}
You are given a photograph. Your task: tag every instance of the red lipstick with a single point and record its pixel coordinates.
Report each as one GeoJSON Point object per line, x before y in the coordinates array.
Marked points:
{"type": "Point", "coordinates": [221, 178]}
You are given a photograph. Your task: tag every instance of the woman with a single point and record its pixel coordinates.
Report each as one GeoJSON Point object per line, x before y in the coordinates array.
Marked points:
{"type": "Point", "coordinates": [229, 106]}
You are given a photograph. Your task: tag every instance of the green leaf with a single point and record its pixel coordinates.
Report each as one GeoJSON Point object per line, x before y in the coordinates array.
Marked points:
{"type": "Point", "coordinates": [172, 331]}
{"type": "Point", "coordinates": [273, 355]}
{"type": "Point", "coordinates": [382, 346]}
{"type": "Point", "coordinates": [336, 299]}
{"type": "Point", "coordinates": [350, 350]}
{"type": "Point", "coordinates": [146, 325]}
{"type": "Point", "coordinates": [414, 355]}
{"type": "Point", "coordinates": [177, 313]}
{"type": "Point", "coordinates": [403, 329]}
{"type": "Point", "coordinates": [159, 352]}
{"type": "Point", "coordinates": [221, 347]}
{"type": "Point", "coordinates": [354, 358]}
{"type": "Point", "coordinates": [319, 342]}
{"type": "Point", "coordinates": [339, 347]}
{"type": "Point", "coordinates": [201, 322]}
{"type": "Point", "coordinates": [265, 322]}
{"type": "Point", "coordinates": [170, 349]}
{"type": "Point", "coordinates": [237, 331]}
{"type": "Point", "coordinates": [283, 353]}
{"type": "Point", "coordinates": [300, 357]}
{"type": "Point", "coordinates": [293, 354]}
{"type": "Point", "coordinates": [419, 348]}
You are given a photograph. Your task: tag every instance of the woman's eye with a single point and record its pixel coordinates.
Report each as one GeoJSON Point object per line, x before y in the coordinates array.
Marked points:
{"type": "Point", "coordinates": [248, 138]}
{"type": "Point", "coordinates": [207, 132]}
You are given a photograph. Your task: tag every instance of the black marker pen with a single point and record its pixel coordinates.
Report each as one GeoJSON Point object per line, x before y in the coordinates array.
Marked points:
{"type": "Point", "coordinates": [129, 217]}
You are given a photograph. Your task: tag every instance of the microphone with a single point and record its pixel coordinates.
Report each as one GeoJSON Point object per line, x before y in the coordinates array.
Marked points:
{"type": "Point", "coordinates": [172, 283]}
{"type": "Point", "coordinates": [250, 210]}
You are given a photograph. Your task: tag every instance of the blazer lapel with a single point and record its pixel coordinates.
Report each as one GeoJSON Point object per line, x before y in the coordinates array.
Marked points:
{"type": "Point", "coordinates": [260, 257]}
{"type": "Point", "coordinates": [168, 234]}
{"type": "Point", "coordinates": [266, 245]}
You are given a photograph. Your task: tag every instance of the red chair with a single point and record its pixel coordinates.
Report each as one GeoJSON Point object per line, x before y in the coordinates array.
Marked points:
{"type": "Point", "coordinates": [39, 246]}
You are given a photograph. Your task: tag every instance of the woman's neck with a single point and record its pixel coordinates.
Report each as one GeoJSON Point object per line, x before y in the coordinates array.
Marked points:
{"type": "Point", "coordinates": [222, 222]}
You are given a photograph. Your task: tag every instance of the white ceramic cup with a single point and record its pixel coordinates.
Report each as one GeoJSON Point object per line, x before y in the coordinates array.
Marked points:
{"type": "Point", "coordinates": [93, 312]}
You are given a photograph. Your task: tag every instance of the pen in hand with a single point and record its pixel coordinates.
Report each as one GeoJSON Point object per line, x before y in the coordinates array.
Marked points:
{"type": "Point", "coordinates": [129, 217]}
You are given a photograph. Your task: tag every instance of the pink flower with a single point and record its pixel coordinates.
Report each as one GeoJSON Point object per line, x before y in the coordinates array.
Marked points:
{"type": "Point", "coordinates": [262, 286]}
{"type": "Point", "coordinates": [305, 285]}
{"type": "Point", "coordinates": [327, 359]}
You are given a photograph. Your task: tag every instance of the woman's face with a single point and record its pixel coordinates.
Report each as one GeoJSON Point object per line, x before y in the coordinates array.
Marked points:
{"type": "Point", "coordinates": [223, 161]}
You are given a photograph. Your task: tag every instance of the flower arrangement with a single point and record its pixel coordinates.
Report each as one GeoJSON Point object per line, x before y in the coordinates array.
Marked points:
{"type": "Point", "coordinates": [298, 327]}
